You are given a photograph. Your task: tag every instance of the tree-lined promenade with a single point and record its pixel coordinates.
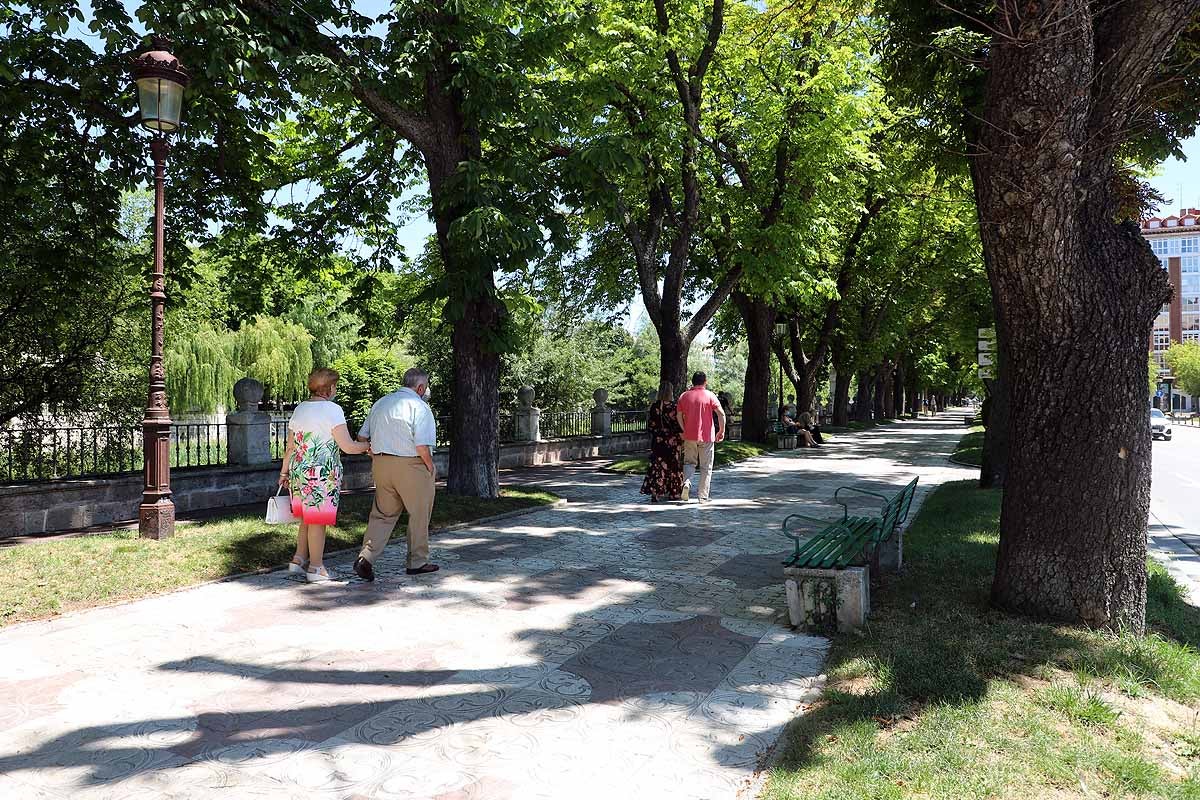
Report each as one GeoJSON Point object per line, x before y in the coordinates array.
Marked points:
{"type": "Point", "coordinates": [829, 189]}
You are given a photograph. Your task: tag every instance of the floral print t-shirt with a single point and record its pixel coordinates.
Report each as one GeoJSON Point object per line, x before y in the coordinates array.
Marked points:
{"type": "Point", "coordinates": [315, 477]}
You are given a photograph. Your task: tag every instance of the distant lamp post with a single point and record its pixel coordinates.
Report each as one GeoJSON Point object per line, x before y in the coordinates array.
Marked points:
{"type": "Point", "coordinates": [160, 83]}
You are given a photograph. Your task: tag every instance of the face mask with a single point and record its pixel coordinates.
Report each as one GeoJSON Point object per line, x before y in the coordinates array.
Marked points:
{"type": "Point", "coordinates": [426, 395]}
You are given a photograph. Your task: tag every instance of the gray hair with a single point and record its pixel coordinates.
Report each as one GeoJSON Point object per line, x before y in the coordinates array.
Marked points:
{"type": "Point", "coordinates": [415, 376]}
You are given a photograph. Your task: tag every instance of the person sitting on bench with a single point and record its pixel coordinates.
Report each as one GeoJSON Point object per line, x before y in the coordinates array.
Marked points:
{"type": "Point", "coordinates": [809, 424]}
{"type": "Point", "coordinates": [790, 426]}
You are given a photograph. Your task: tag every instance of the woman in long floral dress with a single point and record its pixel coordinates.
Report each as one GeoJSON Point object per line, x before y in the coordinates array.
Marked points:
{"type": "Point", "coordinates": [664, 478]}
{"type": "Point", "coordinates": [312, 470]}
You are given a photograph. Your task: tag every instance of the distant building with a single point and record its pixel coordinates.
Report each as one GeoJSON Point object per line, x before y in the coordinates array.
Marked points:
{"type": "Point", "coordinates": [1176, 242]}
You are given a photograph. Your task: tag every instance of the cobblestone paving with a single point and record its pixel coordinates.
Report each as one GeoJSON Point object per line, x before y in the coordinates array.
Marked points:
{"type": "Point", "coordinates": [605, 648]}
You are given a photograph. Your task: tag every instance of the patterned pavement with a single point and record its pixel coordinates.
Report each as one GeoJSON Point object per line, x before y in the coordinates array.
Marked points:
{"type": "Point", "coordinates": [604, 648]}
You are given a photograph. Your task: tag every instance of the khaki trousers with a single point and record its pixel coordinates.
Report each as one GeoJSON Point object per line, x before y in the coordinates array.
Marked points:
{"type": "Point", "coordinates": [698, 454]}
{"type": "Point", "coordinates": [401, 484]}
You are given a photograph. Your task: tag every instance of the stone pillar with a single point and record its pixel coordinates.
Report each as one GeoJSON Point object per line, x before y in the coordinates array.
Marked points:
{"type": "Point", "coordinates": [529, 426]}
{"type": "Point", "coordinates": [249, 430]}
{"type": "Point", "coordinates": [601, 414]}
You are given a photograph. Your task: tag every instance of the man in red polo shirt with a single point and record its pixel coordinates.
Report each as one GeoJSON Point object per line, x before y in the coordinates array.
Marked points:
{"type": "Point", "coordinates": [697, 407]}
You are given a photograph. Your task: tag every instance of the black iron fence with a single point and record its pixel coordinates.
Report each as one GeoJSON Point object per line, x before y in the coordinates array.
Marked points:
{"type": "Point", "coordinates": [42, 454]}
{"type": "Point", "coordinates": [565, 424]}
{"type": "Point", "coordinates": [279, 437]}
{"type": "Point", "coordinates": [628, 421]}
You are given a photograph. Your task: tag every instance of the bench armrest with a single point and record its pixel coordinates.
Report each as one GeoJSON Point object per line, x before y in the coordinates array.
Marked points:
{"type": "Point", "coordinates": [846, 508]}
{"type": "Point", "coordinates": [824, 523]}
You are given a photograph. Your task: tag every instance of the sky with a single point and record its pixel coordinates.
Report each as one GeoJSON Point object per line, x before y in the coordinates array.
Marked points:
{"type": "Point", "coordinates": [1179, 181]}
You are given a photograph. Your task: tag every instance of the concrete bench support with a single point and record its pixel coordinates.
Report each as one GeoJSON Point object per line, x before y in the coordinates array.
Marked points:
{"type": "Point", "coordinates": [788, 441]}
{"type": "Point", "coordinates": [807, 602]}
{"type": "Point", "coordinates": [891, 552]}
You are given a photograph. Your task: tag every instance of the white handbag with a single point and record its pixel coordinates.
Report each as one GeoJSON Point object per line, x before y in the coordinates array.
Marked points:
{"type": "Point", "coordinates": [279, 509]}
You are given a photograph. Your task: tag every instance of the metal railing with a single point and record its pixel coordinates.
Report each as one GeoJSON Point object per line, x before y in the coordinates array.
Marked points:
{"type": "Point", "coordinates": [279, 434]}
{"type": "Point", "coordinates": [41, 454]}
{"type": "Point", "coordinates": [565, 424]}
{"type": "Point", "coordinates": [628, 421]}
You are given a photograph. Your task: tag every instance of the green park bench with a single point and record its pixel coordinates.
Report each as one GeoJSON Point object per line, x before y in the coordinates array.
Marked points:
{"type": "Point", "coordinates": [828, 575]}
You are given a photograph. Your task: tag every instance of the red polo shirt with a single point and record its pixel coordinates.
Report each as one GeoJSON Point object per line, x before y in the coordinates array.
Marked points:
{"type": "Point", "coordinates": [698, 406]}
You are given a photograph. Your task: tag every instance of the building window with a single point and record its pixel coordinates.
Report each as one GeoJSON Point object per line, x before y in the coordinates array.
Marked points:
{"type": "Point", "coordinates": [1189, 244]}
{"type": "Point", "coordinates": [1191, 335]}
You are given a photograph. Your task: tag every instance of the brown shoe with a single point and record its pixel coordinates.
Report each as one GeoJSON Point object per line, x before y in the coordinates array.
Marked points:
{"type": "Point", "coordinates": [423, 570]}
{"type": "Point", "coordinates": [363, 569]}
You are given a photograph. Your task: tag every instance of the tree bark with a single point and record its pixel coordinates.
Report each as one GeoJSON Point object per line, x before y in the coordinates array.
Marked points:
{"type": "Point", "coordinates": [476, 314]}
{"type": "Point", "coordinates": [759, 319]}
{"type": "Point", "coordinates": [1076, 296]}
{"type": "Point", "coordinates": [862, 399]}
{"type": "Point", "coordinates": [995, 437]}
{"type": "Point", "coordinates": [878, 393]}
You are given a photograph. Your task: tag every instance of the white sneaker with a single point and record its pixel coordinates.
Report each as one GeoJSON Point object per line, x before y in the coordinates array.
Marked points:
{"type": "Point", "coordinates": [297, 569]}
{"type": "Point", "coordinates": [687, 490]}
{"type": "Point", "coordinates": [320, 575]}
{"type": "Point", "coordinates": [703, 499]}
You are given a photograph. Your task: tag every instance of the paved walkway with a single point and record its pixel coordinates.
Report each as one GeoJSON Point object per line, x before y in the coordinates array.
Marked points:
{"type": "Point", "coordinates": [605, 648]}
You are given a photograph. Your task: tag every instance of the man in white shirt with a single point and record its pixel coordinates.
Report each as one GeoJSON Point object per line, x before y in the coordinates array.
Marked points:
{"type": "Point", "coordinates": [402, 431]}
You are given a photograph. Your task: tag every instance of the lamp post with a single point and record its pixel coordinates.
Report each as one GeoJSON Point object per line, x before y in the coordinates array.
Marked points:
{"type": "Point", "coordinates": [160, 83]}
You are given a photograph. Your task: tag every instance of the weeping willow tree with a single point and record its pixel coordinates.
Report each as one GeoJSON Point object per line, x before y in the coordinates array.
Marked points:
{"type": "Point", "coordinates": [200, 371]}
{"type": "Point", "coordinates": [334, 331]}
{"type": "Point", "coordinates": [276, 352]}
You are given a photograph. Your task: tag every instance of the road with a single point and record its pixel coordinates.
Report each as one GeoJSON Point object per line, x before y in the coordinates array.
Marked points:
{"type": "Point", "coordinates": [1175, 506]}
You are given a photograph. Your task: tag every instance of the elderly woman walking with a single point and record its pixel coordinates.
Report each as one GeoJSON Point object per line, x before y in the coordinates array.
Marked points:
{"type": "Point", "coordinates": [664, 478]}
{"type": "Point", "coordinates": [312, 470]}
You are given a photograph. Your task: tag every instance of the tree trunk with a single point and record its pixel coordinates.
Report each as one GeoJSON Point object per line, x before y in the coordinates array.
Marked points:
{"type": "Point", "coordinates": [862, 400]}
{"type": "Point", "coordinates": [1076, 297]}
{"type": "Point", "coordinates": [898, 387]}
{"type": "Point", "coordinates": [673, 356]}
{"type": "Point", "coordinates": [887, 391]}
{"type": "Point", "coordinates": [880, 392]}
{"type": "Point", "coordinates": [477, 315]}
{"type": "Point", "coordinates": [759, 319]}
{"type": "Point", "coordinates": [841, 390]}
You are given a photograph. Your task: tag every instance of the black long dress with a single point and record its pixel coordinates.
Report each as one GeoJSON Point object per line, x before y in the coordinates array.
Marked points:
{"type": "Point", "coordinates": [665, 477]}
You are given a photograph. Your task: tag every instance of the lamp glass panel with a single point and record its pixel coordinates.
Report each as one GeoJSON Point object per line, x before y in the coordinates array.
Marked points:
{"type": "Point", "coordinates": [148, 101]}
{"type": "Point", "coordinates": [170, 105]}
{"type": "Point", "coordinates": [161, 102]}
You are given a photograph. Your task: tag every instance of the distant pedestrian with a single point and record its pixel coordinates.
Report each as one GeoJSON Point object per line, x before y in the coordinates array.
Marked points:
{"type": "Point", "coordinates": [664, 478]}
{"type": "Point", "coordinates": [698, 410]}
{"type": "Point", "coordinates": [312, 470]}
{"type": "Point", "coordinates": [402, 431]}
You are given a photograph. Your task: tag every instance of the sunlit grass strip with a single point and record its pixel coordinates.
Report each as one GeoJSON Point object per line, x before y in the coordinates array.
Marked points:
{"type": "Point", "coordinates": [46, 578]}
{"type": "Point", "coordinates": [944, 697]}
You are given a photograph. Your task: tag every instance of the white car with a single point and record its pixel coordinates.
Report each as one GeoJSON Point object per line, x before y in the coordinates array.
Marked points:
{"type": "Point", "coordinates": [1160, 426]}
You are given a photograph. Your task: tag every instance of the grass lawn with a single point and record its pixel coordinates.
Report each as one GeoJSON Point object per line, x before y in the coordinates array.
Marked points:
{"type": "Point", "coordinates": [943, 697]}
{"type": "Point", "coordinates": [47, 578]}
{"type": "Point", "coordinates": [726, 453]}
{"type": "Point", "coordinates": [970, 448]}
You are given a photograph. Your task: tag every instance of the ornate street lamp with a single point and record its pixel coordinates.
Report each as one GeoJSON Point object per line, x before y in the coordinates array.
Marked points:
{"type": "Point", "coordinates": [160, 83]}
